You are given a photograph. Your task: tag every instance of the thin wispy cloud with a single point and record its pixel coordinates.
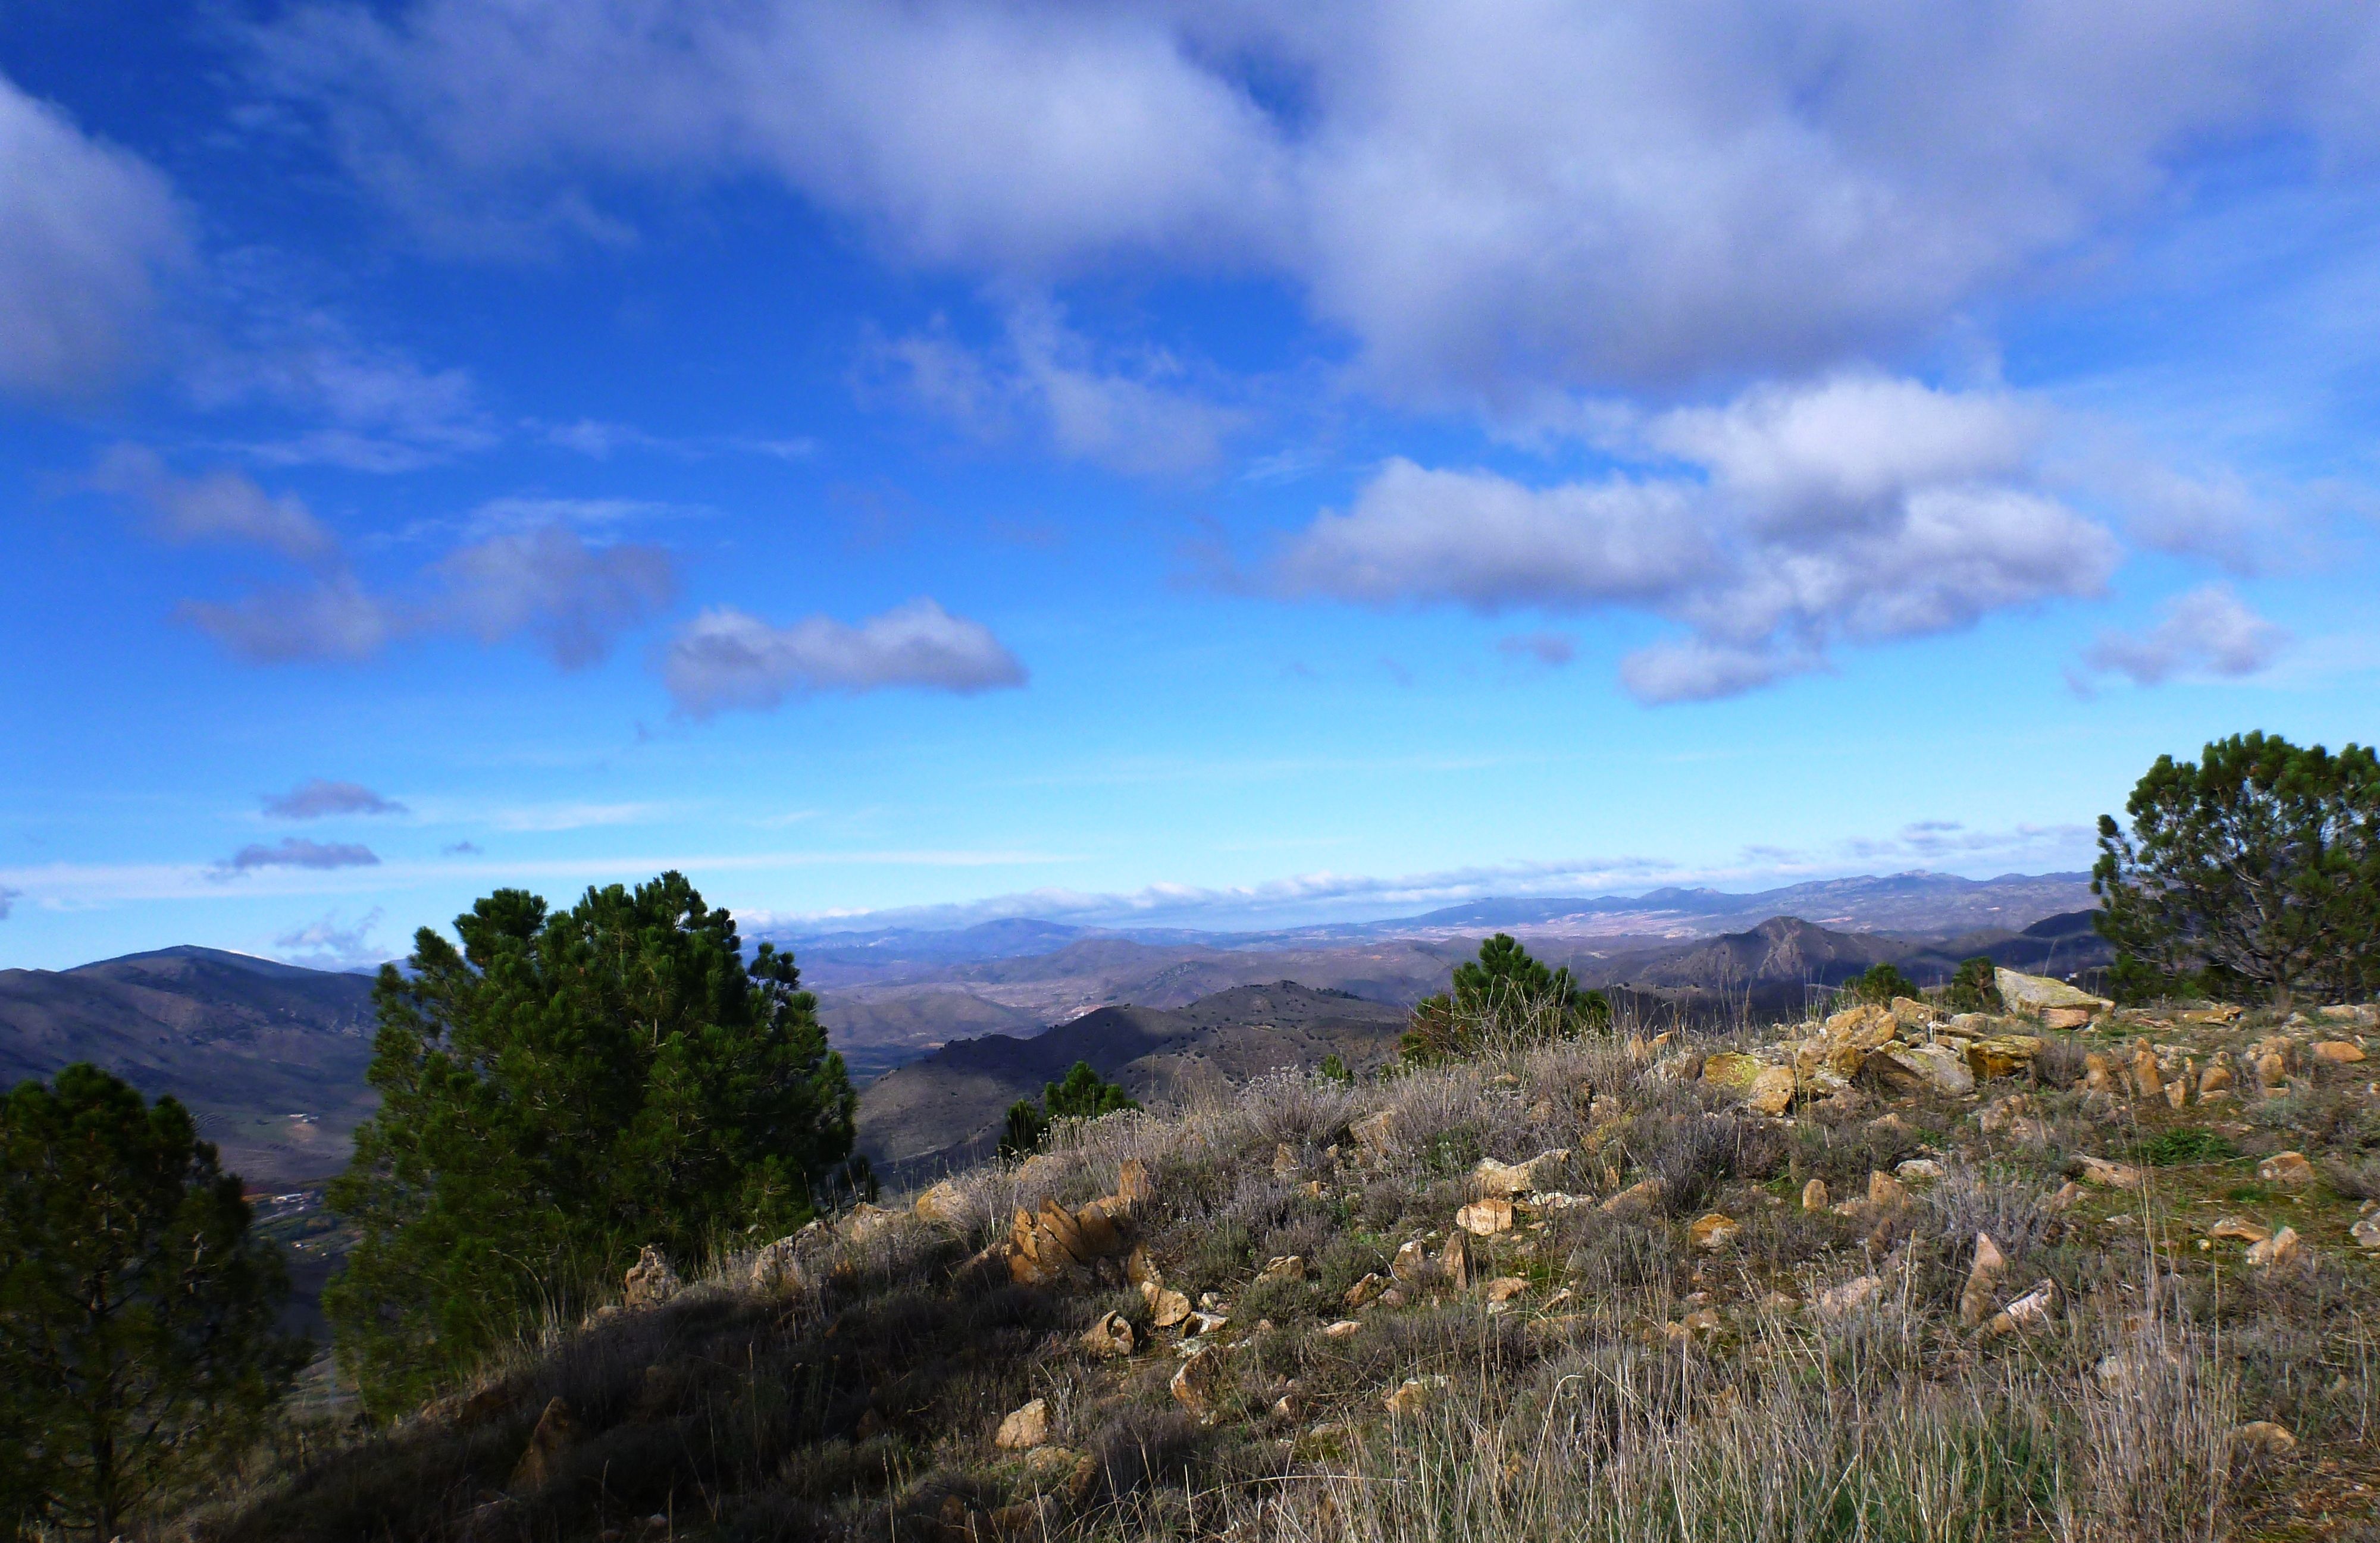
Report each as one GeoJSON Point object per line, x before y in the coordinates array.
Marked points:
{"type": "Point", "coordinates": [295, 851]}
{"type": "Point", "coordinates": [318, 798]}
{"type": "Point", "coordinates": [330, 942]}
{"type": "Point", "coordinates": [548, 584]}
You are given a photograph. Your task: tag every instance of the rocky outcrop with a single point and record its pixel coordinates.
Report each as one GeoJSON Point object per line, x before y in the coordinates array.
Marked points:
{"type": "Point", "coordinates": [651, 1281]}
{"type": "Point", "coordinates": [2036, 994]}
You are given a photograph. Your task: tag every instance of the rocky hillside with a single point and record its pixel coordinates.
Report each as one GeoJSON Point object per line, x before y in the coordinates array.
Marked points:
{"type": "Point", "coordinates": [2071, 1273]}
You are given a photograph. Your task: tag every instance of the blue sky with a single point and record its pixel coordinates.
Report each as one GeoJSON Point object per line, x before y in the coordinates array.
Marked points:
{"type": "Point", "coordinates": [1210, 465]}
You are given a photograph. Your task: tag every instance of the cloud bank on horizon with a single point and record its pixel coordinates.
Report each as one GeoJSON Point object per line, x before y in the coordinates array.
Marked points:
{"type": "Point", "coordinates": [971, 378]}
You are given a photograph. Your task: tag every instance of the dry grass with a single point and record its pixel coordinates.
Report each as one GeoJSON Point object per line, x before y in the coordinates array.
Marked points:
{"type": "Point", "coordinates": [1673, 1396]}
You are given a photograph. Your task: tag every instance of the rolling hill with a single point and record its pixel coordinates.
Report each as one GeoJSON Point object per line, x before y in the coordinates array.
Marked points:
{"type": "Point", "coordinates": [269, 1056]}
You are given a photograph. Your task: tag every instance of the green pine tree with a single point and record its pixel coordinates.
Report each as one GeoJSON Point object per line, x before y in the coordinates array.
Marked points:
{"type": "Point", "coordinates": [2255, 868]}
{"type": "Point", "coordinates": [1975, 988]}
{"type": "Point", "coordinates": [1881, 983]}
{"type": "Point", "coordinates": [1082, 1095]}
{"type": "Point", "coordinates": [1504, 994]}
{"type": "Point", "coordinates": [137, 1351]}
{"type": "Point", "coordinates": [557, 1092]}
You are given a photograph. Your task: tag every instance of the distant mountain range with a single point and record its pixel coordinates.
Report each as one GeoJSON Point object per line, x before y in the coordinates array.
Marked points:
{"type": "Point", "coordinates": [271, 1056]}
{"type": "Point", "coordinates": [1912, 904]}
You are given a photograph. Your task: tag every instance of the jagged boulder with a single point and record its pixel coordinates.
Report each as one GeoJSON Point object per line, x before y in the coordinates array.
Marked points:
{"type": "Point", "coordinates": [945, 1205]}
{"type": "Point", "coordinates": [651, 1281]}
{"type": "Point", "coordinates": [557, 1432]}
{"type": "Point", "coordinates": [778, 1268]}
{"type": "Point", "coordinates": [1024, 1429]}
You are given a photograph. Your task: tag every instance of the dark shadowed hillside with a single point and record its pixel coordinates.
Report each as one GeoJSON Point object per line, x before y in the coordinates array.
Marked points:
{"type": "Point", "coordinates": [271, 1057]}
{"type": "Point", "coordinates": [947, 1108]}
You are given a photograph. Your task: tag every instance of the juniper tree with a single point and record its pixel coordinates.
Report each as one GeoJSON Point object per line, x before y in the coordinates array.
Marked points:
{"type": "Point", "coordinates": [558, 1091]}
{"type": "Point", "coordinates": [138, 1347]}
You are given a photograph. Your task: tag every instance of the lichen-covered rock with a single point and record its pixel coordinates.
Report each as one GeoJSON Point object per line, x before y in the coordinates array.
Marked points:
{"type": "Point", "coordinates": [1199, 1381]}
{"type": "Point", "coordinates": [2344, 1053]}
{"type": "Point", "coordinates": [1983, 1281]}
{"type": "Point", "coordinates": [651, 1281]}
{"type": "Point", "coordinates": [1730, 1068]}
{"type": "Point", "coordinates": [1813, 1195]}
{"type": "Point", "coordinates": [1486, 1217]}
{"type": "Point", "coordinates": [1110, 1337]}
{"type": "Point", "coordinates": [2035, 994]}
{"type": "Point", "coordinates": [1025, 1428]}
{"type": "Point", "coordinates": [778, 1268]}
{"type": "Point", "coordinates": [1714, 1232]}
{"type": "Point", "coordinates": [1286, 1267]}
{"type": "Point", "coordinates": [2109, 1176]}
{"type": "Point", "coordinates": [2288, 1169]}
{"type": "Point", "coordinates": [945, 1205]}
{"type": "Point", "coordinates": [2002, 1054]}
{"type": "Point", "coordinates": [1771, 1093]}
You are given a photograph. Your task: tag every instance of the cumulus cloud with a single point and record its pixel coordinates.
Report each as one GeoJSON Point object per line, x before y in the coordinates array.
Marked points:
{"type": "Point", "coordinates": [1138, 415]}
{"type": "Point", "coordinates": [218, 506]}
{"type": "Point", "coordinates": [1850, 509]}
{"type": "Point", "coordinates": [2205, 632]}
{"type": "Point", "coordinates": [87, 230]}
{"type": "Point", "coordinates": [318, 797]}
{"type": "Point", "coordinates": [728, 659]}
{"type": "Point", "coordinates": [295, 851]}
{"type": "Point", "coordinates": [1638, 194]}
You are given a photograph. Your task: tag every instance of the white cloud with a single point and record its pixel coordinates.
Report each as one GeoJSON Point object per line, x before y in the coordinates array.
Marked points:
{"type": "Point", "coordinates": [727, 658]}
{"type": "Point", "coordinates": [1483, 540]}
{"type": "Point", "coordinates": [1138, 415]}
{"type": "Point", "coordinates": [1852, 510]}
{"type": "Point", "coordinates": [87, 231]}
{"type": "Point", "coordinates": [2205, 632]}
{"type": "Point", "coordinates": [1634, 194]}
